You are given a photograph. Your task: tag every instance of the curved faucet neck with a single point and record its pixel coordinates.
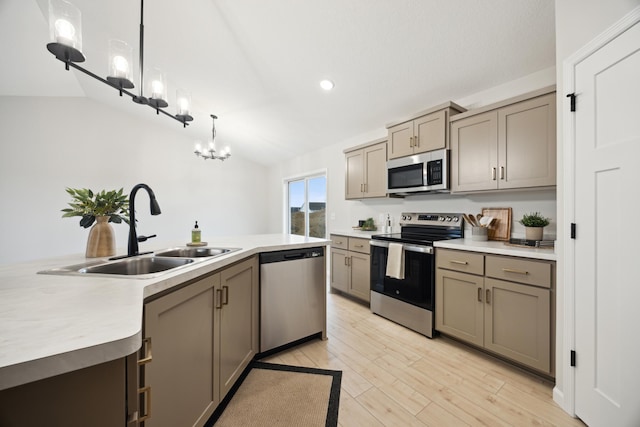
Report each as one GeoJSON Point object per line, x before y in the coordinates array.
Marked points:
{"type": "Point", "coordinates": [155, 210]}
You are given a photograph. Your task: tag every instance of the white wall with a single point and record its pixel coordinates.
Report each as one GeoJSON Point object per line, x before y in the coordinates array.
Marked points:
{"type": "Point", "coordinates": [577, 23]}
{"type": "Point", "coordinates": [47, 144]}
{"type": "Point", "coordinates": [342, 214]}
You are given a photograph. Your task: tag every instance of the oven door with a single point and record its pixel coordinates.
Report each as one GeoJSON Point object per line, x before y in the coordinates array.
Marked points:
{"type": "Point", "coordinates": [417, 287]}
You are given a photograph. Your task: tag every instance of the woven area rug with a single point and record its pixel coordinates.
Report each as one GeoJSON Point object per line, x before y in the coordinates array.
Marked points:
{"type": "Point", "coordinates": [281, 395]}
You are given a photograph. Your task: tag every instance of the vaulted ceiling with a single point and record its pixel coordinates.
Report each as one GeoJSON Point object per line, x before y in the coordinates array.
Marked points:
{"type": "Point", "coordinates": [257, 64]}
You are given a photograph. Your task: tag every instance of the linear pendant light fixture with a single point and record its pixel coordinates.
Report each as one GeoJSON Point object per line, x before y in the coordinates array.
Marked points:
{"type": "Point", "coordinates": [65, 30]}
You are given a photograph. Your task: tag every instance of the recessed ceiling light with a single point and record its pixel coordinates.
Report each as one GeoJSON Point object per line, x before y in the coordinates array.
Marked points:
{"type": "Point", "coordinates": [326, 84]}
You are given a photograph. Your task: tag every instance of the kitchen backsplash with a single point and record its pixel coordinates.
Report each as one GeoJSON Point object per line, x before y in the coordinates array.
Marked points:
{"type": "Point", "coordinates": [543, 201]}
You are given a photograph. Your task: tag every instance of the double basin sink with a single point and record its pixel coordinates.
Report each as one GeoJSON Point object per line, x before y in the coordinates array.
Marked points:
{"type": "Point", "coordinates": [144, 266]}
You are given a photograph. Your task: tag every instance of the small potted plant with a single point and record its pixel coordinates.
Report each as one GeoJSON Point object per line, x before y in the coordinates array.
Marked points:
{"type": "Point", "coordinates": [534, 224]}
{"type": "Point", "coordinates": [368, 225]}
{"type": "Point", "coordinates": [100, 208]}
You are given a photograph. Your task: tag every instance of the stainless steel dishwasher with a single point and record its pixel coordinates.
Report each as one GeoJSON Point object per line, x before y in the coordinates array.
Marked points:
{"type": "Point", "coordinates": [292, 287]}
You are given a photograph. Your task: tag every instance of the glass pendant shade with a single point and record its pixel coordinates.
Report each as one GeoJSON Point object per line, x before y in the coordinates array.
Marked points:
{"type": "Point", "coordinates": [65, 31]}
{"type": "Point", "coordinates": [157, 88]}
{"type": "Point", "coordinates": [183, 105]}
{"type": "Point", "coordinates": [198, 148]}
{"type": "Point", "coordinates": [120, 64]}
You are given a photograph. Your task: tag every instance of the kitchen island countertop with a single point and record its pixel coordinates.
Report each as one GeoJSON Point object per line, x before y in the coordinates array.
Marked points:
{"type": "Point", "coordinates": [497, 248]}
{"type": "Point", "coordinates": [53, 324]}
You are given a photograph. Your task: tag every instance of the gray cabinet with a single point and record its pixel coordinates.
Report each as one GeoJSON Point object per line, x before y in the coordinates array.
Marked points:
{"type": "Point", "coordinates": [427, 132]}
{"type": "Point", "coordinates": [350, 266]}
{"type": "Point", "coordinates": [238, 320]}
{"type": "Point", "coordinates": [203, 336]}
{"type": "Point", "coordinates": [366, 171]}
{"type": "Point", "coordinates": [101, 396]}
{"type": "Point", "coordinates": [499, 303]}
{"type": "Point", "coordinates": [180, 326]}
{"type": "Point", "coordinates": [510, 147]}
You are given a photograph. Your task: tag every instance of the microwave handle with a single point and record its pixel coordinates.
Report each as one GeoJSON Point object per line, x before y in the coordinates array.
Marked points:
{"type": "Point", "coordinates": [406, 247]}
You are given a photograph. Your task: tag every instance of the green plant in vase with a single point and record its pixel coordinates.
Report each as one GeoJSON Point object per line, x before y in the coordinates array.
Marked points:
{"type": "Point", "coordinates": [369, 225]}
{"type": "Point", "coordinates": [100, 208]}
{"type": "Point", "coordinates": [534, 224]}
{"type": "Point", "coordinates": [89, 205]}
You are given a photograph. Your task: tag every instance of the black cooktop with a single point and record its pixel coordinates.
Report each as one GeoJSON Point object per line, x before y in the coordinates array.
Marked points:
{"type": "Point", "coordinates": [424, 238]}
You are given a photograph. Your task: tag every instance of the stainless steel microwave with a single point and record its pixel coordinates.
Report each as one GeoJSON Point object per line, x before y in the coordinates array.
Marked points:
{"type": "Point", "coordinates": [426, 172]}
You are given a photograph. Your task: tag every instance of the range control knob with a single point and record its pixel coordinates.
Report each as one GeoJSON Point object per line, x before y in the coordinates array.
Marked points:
{"type": "Point", "coordinates": [456, 219]}
{"type": "Point", "coordinates": [448, 219]}
{"type": "Point", "coordinates": [441, 218]}
{"type": "Point", "coordinates": [406, 217]}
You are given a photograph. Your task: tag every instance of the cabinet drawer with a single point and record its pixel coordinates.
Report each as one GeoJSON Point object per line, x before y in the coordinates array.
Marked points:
{"type": "Point", "coordinates": [359, 245]}
{"type": "Point", "coordinates": [467, 262]}
{"type": "Point", "coordinates": [535, 273]}
{"type": "Point", "coordinates": [340, 242]}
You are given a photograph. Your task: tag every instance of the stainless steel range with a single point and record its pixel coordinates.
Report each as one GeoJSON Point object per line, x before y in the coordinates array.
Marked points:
{"type": "Point", "coordinates": [410, 300]}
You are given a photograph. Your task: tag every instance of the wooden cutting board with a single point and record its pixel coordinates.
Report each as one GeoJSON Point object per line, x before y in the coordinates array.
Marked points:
{"type": "Point", "coordinates": [501, 229]}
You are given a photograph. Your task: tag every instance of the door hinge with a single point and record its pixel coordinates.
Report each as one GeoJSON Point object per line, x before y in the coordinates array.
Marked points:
{"type": "Point", "coordinates": [573, 101]}
{"type": "Point", "coordinates": [573, 230]}
{"type": "Point", "coordinates": [573, 358]}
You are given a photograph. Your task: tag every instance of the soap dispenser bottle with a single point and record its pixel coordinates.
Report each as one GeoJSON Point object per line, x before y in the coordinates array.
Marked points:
{"type": "Point", "coordinates": [196, 234]}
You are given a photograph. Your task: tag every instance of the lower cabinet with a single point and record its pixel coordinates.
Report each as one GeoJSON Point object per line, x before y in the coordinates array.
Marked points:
{"type": "Point", "coordinates": [350, 267]}
{"type": "Point", "coordinates": [201, 337]}
{"type": "Point", "coordinates": [101, 396]}
{"type": "Point", "coordinates": [502, 304]}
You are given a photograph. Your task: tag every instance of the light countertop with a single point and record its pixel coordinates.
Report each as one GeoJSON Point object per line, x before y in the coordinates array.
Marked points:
{"type": "Point", "coordinates": [52, 324]}
{"type": "Point", "coordinates": [497, 248]}
{"type": "Point", "coordinates": [357, 233]}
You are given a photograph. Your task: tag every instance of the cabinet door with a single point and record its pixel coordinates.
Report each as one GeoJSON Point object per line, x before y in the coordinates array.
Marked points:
{"type": "Point", "coordinates": [354, 174]}
{"type": "Point", "coordinates": [180, 326]}
{"type": "Point", "coordinates": [459, 305]}
{"type": "Point", "coordinates": [527, 143]}
{"type": "Point", "coordinates": [400, 140]}
{"type": "Point", "coordinates": [93, 396]}
{"type": "Point", "coordinates": [375, 170]}
{"type": "Point", "coordinates": [430, 132]}
{"type": "Point", "coordinates": [474, 155]}
{"type": "Point", "coordinates": [517, 323]}
{"type": "Point", "coordinates": [360, 274]}
{"type": "Point", "coordinates": [238, 321]}
{"type": "Point", "coordinates": [339, 270]}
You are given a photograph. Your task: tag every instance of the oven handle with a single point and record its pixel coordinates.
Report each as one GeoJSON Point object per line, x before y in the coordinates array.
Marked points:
{"type": "Point", "coordinates": [410, 248]}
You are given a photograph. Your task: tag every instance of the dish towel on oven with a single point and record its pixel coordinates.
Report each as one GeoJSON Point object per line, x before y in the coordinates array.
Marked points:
{"type": "Point", "coordinates": [395, 261]}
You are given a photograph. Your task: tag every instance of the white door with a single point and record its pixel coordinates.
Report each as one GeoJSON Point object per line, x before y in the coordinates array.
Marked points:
{"type": "Point", "coordinates": [607, 245]}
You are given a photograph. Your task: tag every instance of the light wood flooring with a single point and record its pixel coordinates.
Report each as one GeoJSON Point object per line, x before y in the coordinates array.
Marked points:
{"type": "Point", "coordinates": [392, 376]}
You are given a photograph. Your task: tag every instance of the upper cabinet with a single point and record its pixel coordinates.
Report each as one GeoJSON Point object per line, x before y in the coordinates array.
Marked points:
{"type": "Point", "coordinates": [424, 133]}
{"type": "Point", "coordinates": [505, 146]}
{"type": "Point", "coordinates": [366, 171]}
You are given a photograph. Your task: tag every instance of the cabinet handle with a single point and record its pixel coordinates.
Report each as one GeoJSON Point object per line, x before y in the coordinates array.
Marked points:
{"type": "Point", "coordinates": [359, 246]}
{"type": "Point", "coordinates": [218, 298]}
{"type": "Point", "coordinates": [146, 406]}
{"type": "Point", "coordinates": [479, 294]}
{"type": "Point", "coordinates": [416, 141]}
{"type": "Point", "coordinates": [454, 261]}
{"type": "Point", "coordinates": [411, 141]}
{"type": "Point", "coordinates": [510, 270]}
{"type": "Point", "coordinates": [349, 261]}
{"type": "Point", "coordinates": [225, 295]}
{"type": "Point", "coordinates": [365, 187]}
{"type": "Point", "coordinates": [501, 172]}
{"type": "Point", "coordinates": [346, 260]}
{"type": "Point", "coordinates": [488, 297]}
{"type": "Point", "coordinates": [493, 174]}
{"type": "Point", "coordinates": [148, 357]}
